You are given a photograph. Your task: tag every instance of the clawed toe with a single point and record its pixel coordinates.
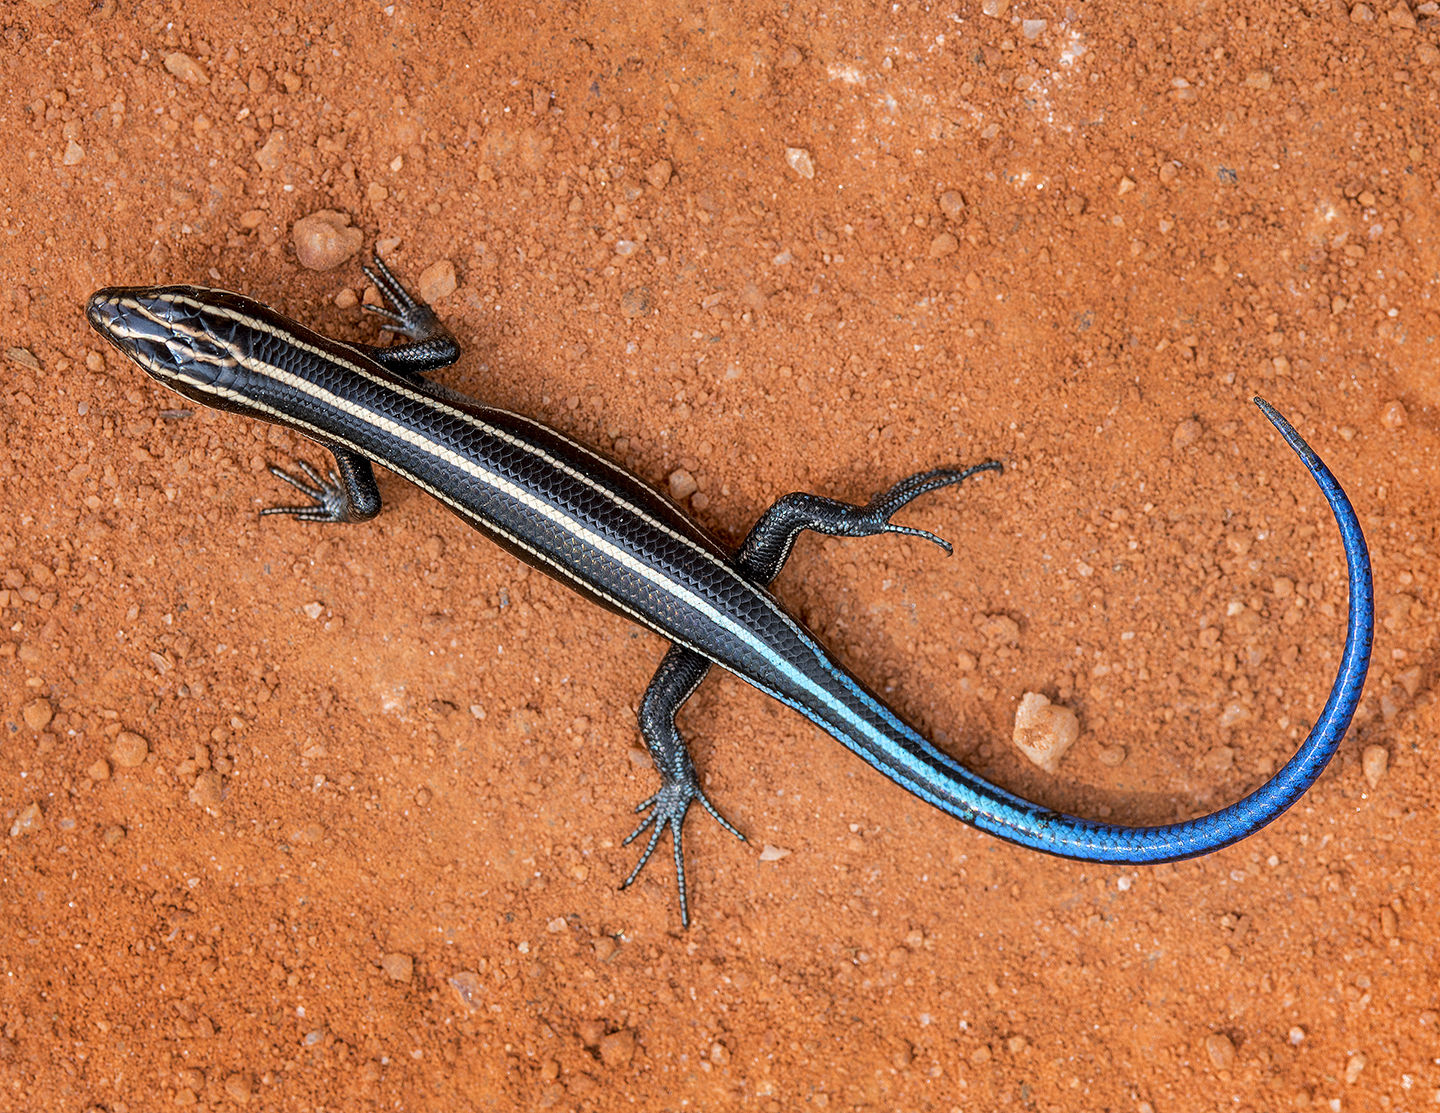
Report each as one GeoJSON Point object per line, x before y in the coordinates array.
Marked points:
{"type": "Point", "coordinates": [882, 506]}
{"type": "Point", "coordinates": [402, 313]}
{"type": "Point", "coordinates": [329, 500]}
{"type": "Point", "coordinates": [670, 805]}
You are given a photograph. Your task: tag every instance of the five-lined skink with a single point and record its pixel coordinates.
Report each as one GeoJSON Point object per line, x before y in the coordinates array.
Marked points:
{"type": "Point", "coordinates": [596, 528]}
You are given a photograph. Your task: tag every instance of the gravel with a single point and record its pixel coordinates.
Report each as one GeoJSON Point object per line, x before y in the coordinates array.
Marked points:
{"type": "Point", "coordinates": [37, 714]}
{"type": "Point", "coordinates": [130, 750]}
{"type": "Point", "coordinates": [324, 239]}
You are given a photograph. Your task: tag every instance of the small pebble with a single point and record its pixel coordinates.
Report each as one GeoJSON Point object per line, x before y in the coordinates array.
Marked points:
{"type": "Point", "coordinates": [952, 204]}
{"type": "Point", "coordinates": [800, 161]}
{"type": "Point", "coordinates": [1400, 16]}
{"type": "Point", "coordinates": [437, 281]}
{"type": "Point", "coordinates": [995, 8]}
{"type": "Point", "coordinates": [1220, 1050]}
{"type": "Point", "coordinates": [658, 173]}
{"type": "Point", "coordinates": [1044, 730]}
{"type": "Point", "coordinates": [398, 967]}
{"type": "Point", "coordinates": [1186, 434]}
{"type": "Point", "coordinates": [237, 1088]}
{"type": "Point", "coordinates": [186, 68]}
{"type": "Point", "coordinates": [346, 299]}
{"type": "Point", "coordinates": [271, 157]}
{"type": "Point", "coordinates": [773, 853]}
{"type": "Point", "coordinates": [74, 154]}
{"type": "Point", "coordinates": [37, 714]}
{"type": "Point", "coordinates": [1375, 762]}
{"type": "Point", "coordinates": [24, 357]}
{"type": "Point", "coordinates": [1393, 416]}
{"type": "Point", "coordinates": [1296, 1036]}
{"type": "Point", "coordinates": [1353, 1066]}
{"type": "Point", "coordinates": [682, 484]}
{"type": "Point", "coordinates": [209, 790]}
{"type": "Point", "coordinates": [1112, 755]}
{"type": "Point", "coordinates": [1032, 29]}
{"type": "Point", "coordinates": [99, 771]}
{"type": "Point", "coordinates": [467, 987]}
{"type": "Point", "coordinates": [113, 836]}
{"type": "Point", "coordinates": [942, 245]}
{"type": "Point", "coordinates": [618, 1048]}
{"type": "Point", "coordinates": [130, 750]}
{"type": "Point", "coordinates": [26, 821]}
{"type": "Point", "coordinates": [324, 239]}
{"type": "Point", "coordinates": [313, 610]}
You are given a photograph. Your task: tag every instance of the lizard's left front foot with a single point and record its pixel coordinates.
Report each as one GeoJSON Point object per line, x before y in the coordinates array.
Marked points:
{"type": "Point", "coordinates": [330, 501]}
{"type": "Point", "coordinates": [670, 805]}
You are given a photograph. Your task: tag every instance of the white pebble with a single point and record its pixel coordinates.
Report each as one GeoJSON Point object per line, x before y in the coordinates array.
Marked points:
{"type": "Point", "coordinates": [1375, 762]}
{"type": "Point", "coordinates": [26, 821]}
{"type": "Point", "coordinates": [800, 161]}
{"type": "Point", "coordinates": [1044, 730]}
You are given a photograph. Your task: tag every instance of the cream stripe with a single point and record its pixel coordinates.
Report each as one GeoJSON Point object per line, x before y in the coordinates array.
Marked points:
{"type": "Point", "coordinates": [564, 521]}
{"type": "Point", "coordinates": [390, 383]}
{"type": "Point", "coordinates": [169, 371]}
{"type": "Point", "coordinates": [518, 494]}
{"type": "Point", "coordinates": [451, 411]}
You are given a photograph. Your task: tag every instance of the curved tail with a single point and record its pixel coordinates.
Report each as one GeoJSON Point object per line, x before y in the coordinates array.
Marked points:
{"type": "Point", "coordinates": [909, 759]}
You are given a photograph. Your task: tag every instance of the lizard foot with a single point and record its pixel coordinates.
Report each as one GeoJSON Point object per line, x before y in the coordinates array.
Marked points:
{"type": "Point", "coordinates": [669, 807]}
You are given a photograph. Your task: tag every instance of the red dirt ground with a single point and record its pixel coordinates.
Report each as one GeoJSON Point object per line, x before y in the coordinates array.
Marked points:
{"type": "Point", "coordinates": [369, 854]}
